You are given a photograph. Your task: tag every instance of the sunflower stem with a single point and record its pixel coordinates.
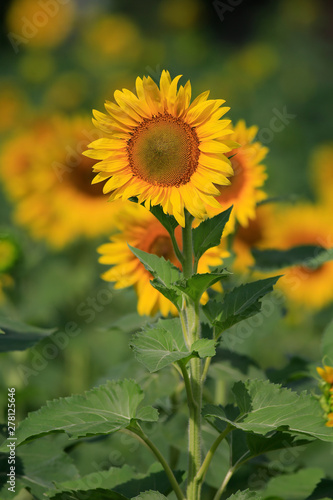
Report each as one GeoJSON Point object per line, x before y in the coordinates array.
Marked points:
{"type": "Point", "coordinates": [194, 398]}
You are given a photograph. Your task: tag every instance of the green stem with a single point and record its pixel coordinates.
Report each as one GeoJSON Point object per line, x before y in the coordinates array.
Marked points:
{"type": "Point", "coordinates": [205, 369]}
{"type": "Point", "coordinates": [178, 253]}
{"type": "Point", "coordinates": [137, 431]}
{"type": "Point", "coordinates": [190, 313]}
{"type": "Point", "coordinates": [206, 463]}
{"type": "Point", "coordinates": [188, 387]}
{"type": "Point", "coordinates": [223, 486]}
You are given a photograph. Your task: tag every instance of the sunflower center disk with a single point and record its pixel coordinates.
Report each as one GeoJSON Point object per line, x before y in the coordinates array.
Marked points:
{"type": "Point", "coordinates": [164, 151]}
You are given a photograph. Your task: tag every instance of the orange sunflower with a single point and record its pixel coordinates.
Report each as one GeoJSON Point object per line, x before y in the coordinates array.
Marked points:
{"type": "Point", "coordinates": [162, 149]}
{"type": "Point", "coordinates": [254, 235]}
{"type": "Point", "coordinates": [50, 183]}
{"type": "Point", "coordinates": [249, 176]}
{"type": "Point", "coordinates": [139, 228]}
{"type": "Point", "coordinates": [304, 224]}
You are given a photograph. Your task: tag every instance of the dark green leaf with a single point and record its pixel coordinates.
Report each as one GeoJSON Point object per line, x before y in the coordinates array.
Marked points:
{"type": "Point", "coordinates": [164, 272]}
{"type": "Point", "coordinates": [37, 465]}
{"type": "Point", "coordinates": [96, 494]}
{"type": "Point", "coordinates": [168, 221]}
{"type": "Point", "coordinates": [258, 444]}
{"type": "Point", "coordinates": [245, 495]}
{"type": "Point", "coordinates": [17, 336]}
{"type": "Point", "coordinates": [209, 233]}
{"type": "Point", "coordinates": [102, 410]}
{"type": "Point", "coordinates": [296, 486]}
{"type": "Point", "coordinates": [269, 407]}
{"type": "Point", "coordinates": [323, 490]}
{"type": "Point", "coordinates": [241, 303]}
{"type": "Point", "coordinates": [311, 256]}
{"type": "Point", "coordinates": [296, 369]}
{"type": "Point", "coordinates": [195, 286]}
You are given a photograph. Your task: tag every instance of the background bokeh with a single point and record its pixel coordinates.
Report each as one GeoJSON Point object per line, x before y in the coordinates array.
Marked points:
{"type": "Point", "coordinates": [269, 60]}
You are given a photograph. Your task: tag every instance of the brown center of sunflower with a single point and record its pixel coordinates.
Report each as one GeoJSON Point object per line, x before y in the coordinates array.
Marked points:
{"type": "Point", "coordinates": [164, 151]}
{"type": "Point", "coordinates": [251, 235]}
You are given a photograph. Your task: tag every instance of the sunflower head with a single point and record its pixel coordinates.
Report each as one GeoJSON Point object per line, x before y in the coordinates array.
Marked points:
{"type": "Point", "coordinates": [245, 189]}
{"type": "Point", "coordinates": [162, 148]}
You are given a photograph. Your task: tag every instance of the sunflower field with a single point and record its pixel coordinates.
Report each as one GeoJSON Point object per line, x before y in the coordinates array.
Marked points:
{"type": "Point", "coordinates": [166, 250]}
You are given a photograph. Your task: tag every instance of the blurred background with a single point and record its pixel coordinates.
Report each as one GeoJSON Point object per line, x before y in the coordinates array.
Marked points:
{"type": "Point", "coordinates": [270, 61]}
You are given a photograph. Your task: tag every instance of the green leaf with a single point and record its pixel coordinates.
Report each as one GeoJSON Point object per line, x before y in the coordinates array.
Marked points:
{"type": "Point", "coordinates": [245, 495]}
{"type": "Point", "coordinates": [37, 465]}
{"type": "Point", "coordinates": [102, 410]}
{"type": "Point", "coordinates": [327, 345]}
{"type": "Point", "coordinates": [17, 336]}
{"type": "Point", "coordinates": [204, 347]}
{"type": "Point", "coordinates": [163, 344]}
{"type": "Point", "coordinates": [268, 407]}
{"type": "Point", "coordinates": [150, 495]}
{"type": "Point", "coordinates": [241, 303]}
{"type": "Point", "coordinates": [209, 233]}
{"type": "Point", "coordinates": [195, 286]}
{"type": "Point", "coordinates": [311, 256]}
{"type": "Point", "coordinates": [168, 221]}
{"type": "Point", "coordinates": [258, 444]}
{"type": "Point", "coordinates": [295, 486]}
{"type": "Point", "coordinates": [164, 272]}
{"type": "Point", "coordinates": [323, 490]}
{"type": "Point", "coordinates": [96, 494]}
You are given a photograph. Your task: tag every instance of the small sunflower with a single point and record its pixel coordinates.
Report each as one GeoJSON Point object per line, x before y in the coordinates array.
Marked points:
{"type": "Point", "coordinates": [322, 172]}
{"type": "Point", "coordinates": [163, 149]}
{"type": "Point", "coordinates": [254, 235]}
{"type": "Point", "coordinates": [304, 224]}
{"type": "Point", "coordinates": [249, 176]}
{"type": "Point", "coordinates": [50, 183]}
{"type": "Point", "coordinates": [139, 228]}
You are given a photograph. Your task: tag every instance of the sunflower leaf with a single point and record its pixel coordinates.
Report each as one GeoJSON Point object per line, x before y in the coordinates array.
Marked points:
{"type": "Point", "coordinates": [209, 233]}
{"type": "Point", "coordinates": [150, 495]}
{"type": "Point", "coordinates": [241, 303]}
{"type": "Point", "coordinates": [168, 221]}
{"type": "Point", "coordinates": [163, 344]}
{"type": "Point", "coordinates": [17, 336]}
{"type": "Point", "coordinates": [299, 485]}
{"type": "Point", "coordinates": [267, 407]}
{"type": "Point", "coordinates": [245, 495]}
{"type": "Point", "coordinates": [311, 256]}
{"type": "Point", "coordinates": [102, 410]}
{"type": "Point", "coordinates": [195, 286]}
{"type": "Point", "coordinates": [96, 494]}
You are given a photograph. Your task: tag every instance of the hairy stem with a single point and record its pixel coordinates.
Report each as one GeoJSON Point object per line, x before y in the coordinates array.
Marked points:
{"type": "Point", "coordinates": [206, 463]}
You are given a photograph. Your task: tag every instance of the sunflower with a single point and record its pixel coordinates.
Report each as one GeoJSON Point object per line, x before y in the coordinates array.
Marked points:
{"type": "Point", "coordinates": [326, 373]}
{"type": "Point", "coordinates": [163, 149]}
{"type": "Point", "coordinates": [254, 235]}
{"type": "Point", "coordinates": [139, 228]}
{"type": "Point", "coordinates": [50, 183]}
{"type": "Point", "coordinates": [304, 224]}
{"type": "Point", "coordinates": [322, 172]}
{"type": "Point", "coordinates": [249, 176]}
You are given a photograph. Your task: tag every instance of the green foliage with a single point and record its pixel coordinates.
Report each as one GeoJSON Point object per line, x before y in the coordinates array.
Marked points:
{"type": "Point", "coordinates": [209, 233]}
{"type": "Point", "coordinates": [311, 256]}
{"type": "Point", "coordinates": [150, 495]}
{"type": "Point", "coordinates": [95, 494]}
{"type": "Point", "coordinates": [245, 495]}
{"type": "Point", "coordinates": [168, 221]}
{"type": "Point", "coordinates": [38, 465]}
{"type": "Point", "coordinates": [104, 409]}
{"type": "Point", "coordinates": [266, 407]}
{"type": "Point", "coordinates": [164, 344]}
{"type": "Point", "coordinates": [241, 303]}
{"type": "Point", "coordinates": [295, 486]}
{"type": "Point", "coordinates": [195, 286]}
{"type": "Point", "coordinates": [17, 336]}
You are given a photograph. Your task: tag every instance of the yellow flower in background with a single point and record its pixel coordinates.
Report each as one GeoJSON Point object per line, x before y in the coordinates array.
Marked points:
{"type": "Point", "coordinates": [8, 256]}
{"type": "Point", "coordinates": [254, 235]}
{"type": "Point", "coordinates": [38, 23]}
{"type": "Point", "coordinates": [322, 172]}
{"type": "Point", "coordinates": [326, 373]}
{"type": "Point", "coordinates": [249, 176]}
{"type": "Point", "coordinates": [13, 104]}
{"type": "Point", "coordinates": [163, 149]}
{"type": "Point", "coordinates": [49, 180]}
{"type": "Point", "coordinates": [139, 228]}
{"type": "Point", "coordinates": [181, 14]}
{"type": "Point", "coordinates": [114, 36]}
{"type": "Point", "coordinates": [304, 224]}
